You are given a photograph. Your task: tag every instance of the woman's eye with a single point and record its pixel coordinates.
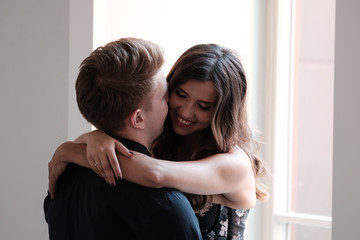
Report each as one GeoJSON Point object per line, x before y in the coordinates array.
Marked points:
{"type": "Point", "coordinates": [180, 94]}
{"type": "Point", "coordinates": [206, 108]}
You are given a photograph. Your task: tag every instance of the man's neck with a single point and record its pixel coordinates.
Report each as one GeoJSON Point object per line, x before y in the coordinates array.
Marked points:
{"type": "Point", "coordinates": [134, 136]}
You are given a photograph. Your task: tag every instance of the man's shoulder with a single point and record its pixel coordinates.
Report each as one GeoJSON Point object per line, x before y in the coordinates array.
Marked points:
{"type": "Point", "coordinates": [171, 196]}
{"type": "Point", "coordinates": [163, 196]}
{"type": "Point", "coordinates": [80, 175]}
{"type": "Point", "coordinates": [158, 200]}
{"type": "Point", "coordinates": [172, 202]}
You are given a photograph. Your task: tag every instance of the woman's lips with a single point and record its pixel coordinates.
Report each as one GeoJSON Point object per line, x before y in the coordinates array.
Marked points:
{"type": "Point", "coordinates": [182, 122]}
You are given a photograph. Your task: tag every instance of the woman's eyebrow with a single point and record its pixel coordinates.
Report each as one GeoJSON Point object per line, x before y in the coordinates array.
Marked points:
{"type": "Point", "coordinates": [209, 103]}
{"type": "Point", "coordinates": [182, 90]}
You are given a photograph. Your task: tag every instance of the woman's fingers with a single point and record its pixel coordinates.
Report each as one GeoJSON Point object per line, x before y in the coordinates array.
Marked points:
{"type": "Point", "coordinates": [102, 151]}
{"type": "Point", "coordinates": [106, 168]}
{"type": "Point", "coordinates": [96, 166]}
{"type": "Point", "coordinates": [122, 150]}
{"type": "Point", "coordinates": [114, 163]}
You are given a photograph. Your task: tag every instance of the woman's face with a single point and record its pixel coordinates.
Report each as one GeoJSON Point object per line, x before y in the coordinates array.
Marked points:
{"type": "Point", "coordinates": [192, 106]}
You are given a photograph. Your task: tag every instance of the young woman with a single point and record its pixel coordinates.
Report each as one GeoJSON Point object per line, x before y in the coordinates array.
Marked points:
{"type": "Point", "coordinates": [206, 137]}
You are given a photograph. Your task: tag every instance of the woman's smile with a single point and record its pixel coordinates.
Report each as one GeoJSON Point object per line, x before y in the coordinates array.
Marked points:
{"type": "Point", "coordinates": [182, 122]}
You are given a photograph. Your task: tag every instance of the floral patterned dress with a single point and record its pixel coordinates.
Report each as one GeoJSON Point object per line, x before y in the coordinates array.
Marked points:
{"type": "Point", "coordinates": [222, 223]}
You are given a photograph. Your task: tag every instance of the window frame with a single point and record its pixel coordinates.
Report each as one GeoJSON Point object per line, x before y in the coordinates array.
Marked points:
{"type": "Point", "coordinates": [280, 27]}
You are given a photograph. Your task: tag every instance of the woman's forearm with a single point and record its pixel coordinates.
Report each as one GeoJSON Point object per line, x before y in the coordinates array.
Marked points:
{"type": "Point", "coordinates": [206, 176]}
{"type": "Point", "coordinates": [232, 180]}
{"type": "Point", "coordinates": [229, 175]}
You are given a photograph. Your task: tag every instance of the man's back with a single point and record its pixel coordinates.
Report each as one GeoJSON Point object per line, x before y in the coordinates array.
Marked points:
{"type": "Point", "coordinates": [86, 207]}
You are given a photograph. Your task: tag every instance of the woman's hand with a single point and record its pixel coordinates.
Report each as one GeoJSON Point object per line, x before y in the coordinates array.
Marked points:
{"type": "Point", "coordinates": [64, 154]}
{"type": "Point", "coordinates": [101, 154]}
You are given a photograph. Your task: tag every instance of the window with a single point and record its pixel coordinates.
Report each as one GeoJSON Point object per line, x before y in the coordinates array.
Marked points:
{"type": "Point", "coordinates": [303, 119]}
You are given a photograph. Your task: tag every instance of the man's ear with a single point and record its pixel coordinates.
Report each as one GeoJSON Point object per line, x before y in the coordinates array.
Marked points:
{"type": "Point", "coordinates": [137, 119]}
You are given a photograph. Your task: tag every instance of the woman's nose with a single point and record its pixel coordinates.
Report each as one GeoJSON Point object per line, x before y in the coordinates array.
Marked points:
{"type": "Point", "coordinates": [186, 110]}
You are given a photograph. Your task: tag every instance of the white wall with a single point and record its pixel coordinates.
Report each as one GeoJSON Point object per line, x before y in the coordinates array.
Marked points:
{"type": "Point", "coordinates": [178, 25]}
{"type": "Point", "coordinates": [80, 46]}
{"type": "Point", "coordinates": [346, 191]}
{"type": "Point", "coordinates": [34, 112]}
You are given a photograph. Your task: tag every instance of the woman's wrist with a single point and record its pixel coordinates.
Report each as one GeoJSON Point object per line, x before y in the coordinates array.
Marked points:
{"type": "Point", "coordinates": [63, 152]}
{"type": "Point", "coordinates": [72, 152]}
{"type": "Point", "coordinates": [150, 171]}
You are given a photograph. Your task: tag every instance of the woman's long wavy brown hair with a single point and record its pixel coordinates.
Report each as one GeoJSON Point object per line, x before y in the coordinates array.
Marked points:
{"type": "Point", "coordinates": [229, 125]}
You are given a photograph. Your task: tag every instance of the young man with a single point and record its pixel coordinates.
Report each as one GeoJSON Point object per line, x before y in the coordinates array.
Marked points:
{"type": "Point", "coordinates": [121, 90]}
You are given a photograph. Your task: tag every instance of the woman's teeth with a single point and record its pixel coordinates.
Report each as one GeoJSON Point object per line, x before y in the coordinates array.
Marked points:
{"type": "Point", "coordinates": [183, 121]}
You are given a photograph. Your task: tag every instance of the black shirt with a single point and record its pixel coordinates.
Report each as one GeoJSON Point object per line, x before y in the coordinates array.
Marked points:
{"type": "Point", "coordinates": [86, 207]}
